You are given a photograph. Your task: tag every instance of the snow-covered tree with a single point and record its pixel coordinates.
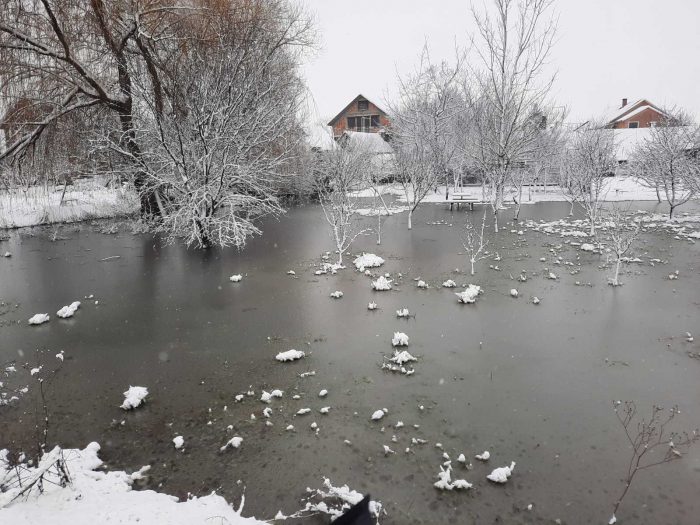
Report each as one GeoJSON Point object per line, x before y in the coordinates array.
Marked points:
{"type": "Point", "coordinates": [341, 171]}
{"type": "Point", "coordinates": [214, 154]}
{"type": "Point", "coordinates": [623, 234]}
{"type": "Point", "coordinates": [513, 46]}
{"type": "Point", "coordinates": [199, 103]}
{"type": "Point", "coordinates": [423, 128]}
{"type": "Point", "coordinates": [588, 160]}
{"type": "Point", "coordinates": [474, 242]}
{"type": "Point", "coordinates": [666, 160]}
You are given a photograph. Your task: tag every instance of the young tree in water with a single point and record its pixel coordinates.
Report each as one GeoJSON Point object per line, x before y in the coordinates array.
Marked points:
{"type": "Point", "coordinates": [474, 242]}
{"type": "Point", "coordinates": [513, 46]}
{"type": "Point", "coordinates": [666, 160]}
{"type": "Point", "coordinates": [423, 128]}
{"type": "Point", "coordinates": [341, 171]}
{"type": "Point", "coordinates": [623, 234]}
{"type": "Point", "coordinates": [651, 441]}
{"type": "Point", "coordinates": [588, 160]}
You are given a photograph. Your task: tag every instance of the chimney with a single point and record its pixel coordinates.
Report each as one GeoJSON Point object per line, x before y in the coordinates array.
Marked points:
{"type": "Point", "coordinates": [624, 102]}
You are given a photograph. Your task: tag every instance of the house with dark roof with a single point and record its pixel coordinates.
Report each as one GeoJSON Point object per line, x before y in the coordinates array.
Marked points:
{"type": "Point", "coordinates": [639, 114]}
{"type": "Point", "coordinates": [360, 115]}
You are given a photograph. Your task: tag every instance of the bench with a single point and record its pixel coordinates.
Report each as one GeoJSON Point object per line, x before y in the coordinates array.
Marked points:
{"type": "Point", "coordinates": [459, 197]}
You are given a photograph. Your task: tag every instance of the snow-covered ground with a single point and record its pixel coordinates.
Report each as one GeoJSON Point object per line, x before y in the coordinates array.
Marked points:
{"type": "Point", "coordinates": [617, 188]}
{"type": "Point", "coordinates": [95, 496]}
{"type": "Point", "coordinates": [85, 199]}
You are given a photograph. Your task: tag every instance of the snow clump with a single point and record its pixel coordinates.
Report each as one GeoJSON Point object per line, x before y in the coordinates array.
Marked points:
{"type": "Point", "coordinates": [68, 311]}
{"type": "Point", "coordinates": [367, 260]}
{"type": "Point", "coordinates": [377, 415]}
{"type": "Point", "coordinates": [382, 284]}
{"type": "Point", "coordinates": [403, 312]}
{"type": "Point", "coordinates": [399, 339]}
{"type": "Point", "coordinates": [449, 283]}
{"type": "Point", "coordinates": [290, 355]}
{"type": "Point", "coordinates": [134, 397]}
{"type": "Point", "coordinates": [469, 295]}
{"type": "Point", "coordinates": [337, 294]}
{"type": "Point", "coordinates": [501, 474]}
{"type": "Point", "coordinates": [178, 441]}
{"type": "Point", "coordinates": [234, 442]}
{"type": "Point", "coordinates": [236, 278]}
{"type": "Point", "coordinates": [39, 319]}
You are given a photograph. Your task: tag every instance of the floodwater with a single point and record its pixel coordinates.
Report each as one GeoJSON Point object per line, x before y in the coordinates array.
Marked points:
{"type": "Point", "coordinates": [529, 383]}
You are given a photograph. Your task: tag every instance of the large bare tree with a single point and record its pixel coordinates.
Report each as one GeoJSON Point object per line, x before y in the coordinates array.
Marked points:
{"type": "Point", "coordinates": [341, 171]}
{"type": "Point", "coordinates": [202, 100]}
{"type": "Point", "coordinates": [514, 42]}
{"type": "Point", "coordinates": [423, 128]}
{"type": "Point", "coordinates": [667, 159]}
{"type": "Point", "coordinates": [588, 160]}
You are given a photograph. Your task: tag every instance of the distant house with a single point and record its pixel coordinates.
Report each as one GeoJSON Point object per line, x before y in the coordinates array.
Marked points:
{"type": "Point", "coordinates": [361, 115]}
{"type": "Point", "coordinates": [640, 114]}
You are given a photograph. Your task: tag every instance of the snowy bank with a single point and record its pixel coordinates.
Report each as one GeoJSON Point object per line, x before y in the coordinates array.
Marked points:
{"type": "Point", "coordinates": [104, 497]}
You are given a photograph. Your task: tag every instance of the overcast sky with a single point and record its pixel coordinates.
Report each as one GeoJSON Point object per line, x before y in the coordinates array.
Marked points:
{"type": "Point", "coordinates": [606, 50]}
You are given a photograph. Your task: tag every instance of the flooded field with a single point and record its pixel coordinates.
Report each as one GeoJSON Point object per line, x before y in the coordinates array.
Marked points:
{"type": "Point", "coordinates": [530, 383]}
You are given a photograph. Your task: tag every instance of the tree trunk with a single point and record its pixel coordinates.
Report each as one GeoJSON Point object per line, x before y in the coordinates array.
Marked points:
{"type": "Point", "coordinates": [410, 214]}
{"type": "Point", "coordinates": [616, 282]}
{"type": "Point", "coordinates": [658, 195]}
{"type": "Point", "coordinates": [495, 220]}
{"type": "Point", "coordinates": [472, 261]}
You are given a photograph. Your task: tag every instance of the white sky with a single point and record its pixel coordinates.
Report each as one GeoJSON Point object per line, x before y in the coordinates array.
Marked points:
{"type": "Point", "coordinates": [606, 50]}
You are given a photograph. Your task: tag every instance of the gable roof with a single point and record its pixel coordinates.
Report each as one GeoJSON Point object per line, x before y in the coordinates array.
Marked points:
{"type": "Point", "coordinates": [360, 96]}
{"type": "Point", "coordinates": [629, 110]}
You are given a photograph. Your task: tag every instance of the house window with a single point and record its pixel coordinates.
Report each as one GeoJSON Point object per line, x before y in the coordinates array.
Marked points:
{"type": "Point", "coordinates": [362, 105]}
{"type": "Point", "coordinates": [633, 124]}
{"type": "Point", "coordinates": [653, 123]}
{"type": "Point", "coordinates": [363, 123]}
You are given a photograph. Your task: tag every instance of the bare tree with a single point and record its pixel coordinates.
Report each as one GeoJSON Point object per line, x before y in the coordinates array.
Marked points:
{"type": "Point", "coordinates": [514, 45]}
{"type": "Point", "coordinates": [341, 171]}
{"type": "Point", "coordinates": [589, 159]}
{"type": "Point", "coordinates": [63, 57]}
{"type": "Point", "coordinates": [474, 242]}
{"type": "Point", "coordinates": [623, 234]}
{"type": "Point", "coordinates": [665, 160]}
{"type": "Point", "coordinates": [423, 128]}
{"type": "Point", "coordinates": [650, 440]}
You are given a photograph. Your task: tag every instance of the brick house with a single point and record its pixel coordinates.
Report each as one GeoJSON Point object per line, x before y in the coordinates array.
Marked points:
{"type": "Point", "coordinates": [361, 115]}
{"type": "Point", "coordinates": [640, 114]}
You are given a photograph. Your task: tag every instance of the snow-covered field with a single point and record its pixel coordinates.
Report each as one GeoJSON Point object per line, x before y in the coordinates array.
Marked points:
{"type": "Point", "coordinates": [85, 199]}
{"type": "Point", "coordinates": [619, 188]}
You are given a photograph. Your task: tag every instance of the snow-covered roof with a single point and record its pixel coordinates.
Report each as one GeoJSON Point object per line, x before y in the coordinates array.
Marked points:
{"type": "Point", "coordinates": [629, 110]}
{"type": "Point", "coordinates": [627, 139]}
{"type": "Point", "coordinates": [372, 141]}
